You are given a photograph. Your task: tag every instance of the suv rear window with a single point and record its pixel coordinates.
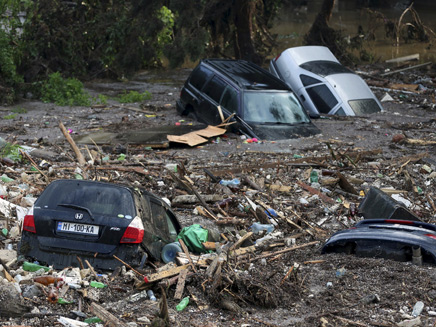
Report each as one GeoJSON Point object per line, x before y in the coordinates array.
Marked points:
{"type": "Point", "coordinates": [199, 76]}
{"type": "Point", "coordinates": [100, 199]}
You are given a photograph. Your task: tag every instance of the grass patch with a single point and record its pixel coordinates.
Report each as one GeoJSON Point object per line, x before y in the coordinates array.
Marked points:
{"type": "Point", "coordinates": [133, 96]}
{"type": "Point", "coordinates": [11, 116]}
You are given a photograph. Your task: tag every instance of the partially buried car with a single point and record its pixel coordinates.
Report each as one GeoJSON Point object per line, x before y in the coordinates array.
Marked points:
{"type": "Point", "coordinates": [323, 85]}
{"type": "Point", "coordinates": [260, 104]}
{"type": "Point", "coordinates": [396, 239]}
{"type": "Point", "coordinates": [96, 221]}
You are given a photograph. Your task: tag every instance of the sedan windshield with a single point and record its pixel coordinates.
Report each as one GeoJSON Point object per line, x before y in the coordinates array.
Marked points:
{"type": "Point", "coordinates": [273, 107]}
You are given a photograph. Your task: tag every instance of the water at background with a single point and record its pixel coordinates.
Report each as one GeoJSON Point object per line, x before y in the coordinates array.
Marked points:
{"type": "Point", "coordinates": [294, 23]}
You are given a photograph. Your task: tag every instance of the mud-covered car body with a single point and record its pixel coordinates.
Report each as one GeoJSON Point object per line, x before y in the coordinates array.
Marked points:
{"type": "Point", "coordinates": [94, 221]}
{"type": "Point", "coordinates": [386, 238]}
{"type": "Point", "coordinates": [262, 105]}
{"type": "Point", "coordinates": [323, 85]}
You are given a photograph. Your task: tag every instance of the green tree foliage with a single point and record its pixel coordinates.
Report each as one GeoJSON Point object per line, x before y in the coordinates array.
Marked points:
{"type": "Point", "coordinates": [93, 37]}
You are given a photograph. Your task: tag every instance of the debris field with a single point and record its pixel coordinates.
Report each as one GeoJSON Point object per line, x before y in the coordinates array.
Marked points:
{"type": "Point", "coordinates": [306, 188]}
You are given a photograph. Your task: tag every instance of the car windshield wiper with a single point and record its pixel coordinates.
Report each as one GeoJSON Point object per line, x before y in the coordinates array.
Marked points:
{"type": "Point", "coordinates": [75, 206]}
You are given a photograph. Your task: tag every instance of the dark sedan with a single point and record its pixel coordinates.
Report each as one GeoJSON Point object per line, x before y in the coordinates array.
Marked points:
{"type": "Point", "coordinates": [401, 240]}
{"type": "Point", "coordinates": [96, 221]}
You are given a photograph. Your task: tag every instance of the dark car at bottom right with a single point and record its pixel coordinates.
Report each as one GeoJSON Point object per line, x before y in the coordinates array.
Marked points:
{"type": "Point", "coordinates": [396, 239]}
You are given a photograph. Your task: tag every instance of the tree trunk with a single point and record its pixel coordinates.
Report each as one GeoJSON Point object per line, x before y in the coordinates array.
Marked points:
{"type": "Point", "coordinates": [243, 18]}
{"type": "Point", "coordinates": [319, 32]}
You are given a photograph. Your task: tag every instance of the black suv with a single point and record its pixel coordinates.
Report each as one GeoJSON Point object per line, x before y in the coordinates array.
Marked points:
{"type": "Point", "coordinates": [264, 106]}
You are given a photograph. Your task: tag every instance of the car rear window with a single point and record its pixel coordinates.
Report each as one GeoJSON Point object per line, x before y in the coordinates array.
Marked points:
{"type": "Point", "coordinates": [325, 68]}
{"type": "Point", "coordinates": [99, 198]}
{"type": "Point", "coordinates": [273, 107]}
{"type": "Point", "coordinates": [199, 76]}
{"type": "Point", "coordinates": [307, 80]}
{"type": "Point", "coordinates": [322, 98]}
{"type": "Point", "coordinates": [364, 106]}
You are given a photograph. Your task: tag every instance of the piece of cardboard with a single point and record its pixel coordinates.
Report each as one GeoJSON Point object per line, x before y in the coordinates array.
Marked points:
{"type": "Point", "coordinates": [197, 137]}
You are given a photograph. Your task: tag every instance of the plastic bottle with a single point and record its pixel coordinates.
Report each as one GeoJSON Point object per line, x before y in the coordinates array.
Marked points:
{"type": "Point", "coordinates": [232, 183]}
{"type": "Point", "coordinates": [151, 295]}
{"type": "Point", "coordinates": [257, 228]}
{"type": "Point", "coordinates": [47, 280]}
{"type": "Point", "coordinates": [29, 266]}
{"type": "Point", "coordinates": [183, 304]}
{"type": "Point", "coordinates": [313, 176]}
{"type": "Point", "coordinates": [97, 284]}
{"type": "Point", "coordinates": [169, 251]}
{"type": "Point", "coordinates": [417, 309]}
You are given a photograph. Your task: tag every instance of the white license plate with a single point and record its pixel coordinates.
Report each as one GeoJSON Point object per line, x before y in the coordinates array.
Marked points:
{"type": "Point", "coordinates": [77, 228]}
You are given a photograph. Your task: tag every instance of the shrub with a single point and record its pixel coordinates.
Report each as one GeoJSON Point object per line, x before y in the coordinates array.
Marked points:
{"type": "Point", "coordinates": [64, 92]}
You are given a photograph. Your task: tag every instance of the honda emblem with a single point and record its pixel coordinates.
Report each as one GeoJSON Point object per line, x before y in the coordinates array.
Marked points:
{"type": "Point", "coordinates": [78, 216]}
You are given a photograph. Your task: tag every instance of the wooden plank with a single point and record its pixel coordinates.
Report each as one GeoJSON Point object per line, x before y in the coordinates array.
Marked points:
{"type": "Point", "coordinates": [402, 59]}
{"type": "Point", "coordinates": [109, 319]}
{"type": "Point", "coordinates": [185, 250]}
{"type": "Point", "coordinates": [181, 284]}
{"type": "Point", "coordinates": [285, 250]}
{"type": "Point", "coordinates": [165, 274]}
{"type": "Point", "coordinates": [245, 250]}
{"type": "Point", "coordinates": [240, 241]}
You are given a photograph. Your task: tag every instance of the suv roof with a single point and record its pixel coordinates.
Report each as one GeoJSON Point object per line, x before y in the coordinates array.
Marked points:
{"type": "Point", "coordinates": [246, 74]}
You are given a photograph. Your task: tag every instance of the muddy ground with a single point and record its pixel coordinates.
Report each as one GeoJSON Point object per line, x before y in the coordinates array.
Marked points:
{"type": "Point", "coordinates": [320, 290]}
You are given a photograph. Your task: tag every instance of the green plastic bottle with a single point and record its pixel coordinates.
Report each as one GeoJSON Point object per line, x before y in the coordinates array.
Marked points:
{"type": "Point", "coordinates": [29, 266]}
{"type": "Point", "coordinates": [183, 304]}
{"type": "Point", "coordinates": [97, 284]}
{"type": "Point", "coordinates": [93, 320]}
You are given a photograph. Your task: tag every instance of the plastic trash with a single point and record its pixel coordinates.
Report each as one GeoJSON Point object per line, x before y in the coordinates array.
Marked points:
{"type": "Point", "coordinates": [97, 284]}
{"type": "Point", "coordinates": [169, 251]}
{"type": "Point", "coordinates": [183, 304]}
{"type": "Point", "coordinates": [151, 295]}
{"type": "Point", "coordinates": [340, 272]}
{"type": "Point", "coordinates": [417, 309]}
{"type": "Point", "coordinates": [6, 179]}
{"type": "Point", "coordinates": [313, 176]}
{"type": "Point", "coordinates": [257, 228]}
{"type": "Point", "coordinates": [47, 280]}
{"type": "Point", "coordinates": [232, 183]}
{"type": "Point", "coordinates": [32, 267]}
{"type": "Point", "coordinates": [93, 320]}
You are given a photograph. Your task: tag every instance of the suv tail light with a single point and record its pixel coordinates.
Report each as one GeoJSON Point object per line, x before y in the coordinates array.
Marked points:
{"type": "Point", "coordinates": [134, 232]}
{"type": "Point", "coordinates": [29, 222]}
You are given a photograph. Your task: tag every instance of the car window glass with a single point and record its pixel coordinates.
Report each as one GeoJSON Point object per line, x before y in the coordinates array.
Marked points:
{"type": "Point", "coordinates": [171, 228]}
{"type": "Point", "coordinates": [160, 219]}
{"type": "Point", "coordinates": [273, 107]}
{"type": "Point", "coordinates": [199, 76]}
{"type": "Point", "coordinates": [98, 198]}
{"type": "Point", "coordinates": [307, 80]}
{"type": "Point", "coordinates": [322, 98]}
{"type": "Point", "coordinates": [364, 106]}
{"type": "Point", "coordinates": [229, 100]}
{"type": "Point", "coordinates": [325, 68]}
{"type": "Point", "coordinates": [215, 88]}
{"type": "Point", "coordinates": [340, 112]}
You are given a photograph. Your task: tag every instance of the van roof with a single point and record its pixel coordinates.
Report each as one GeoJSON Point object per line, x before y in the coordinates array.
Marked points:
{"type": "Point", "coordinates": [247, 74]}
